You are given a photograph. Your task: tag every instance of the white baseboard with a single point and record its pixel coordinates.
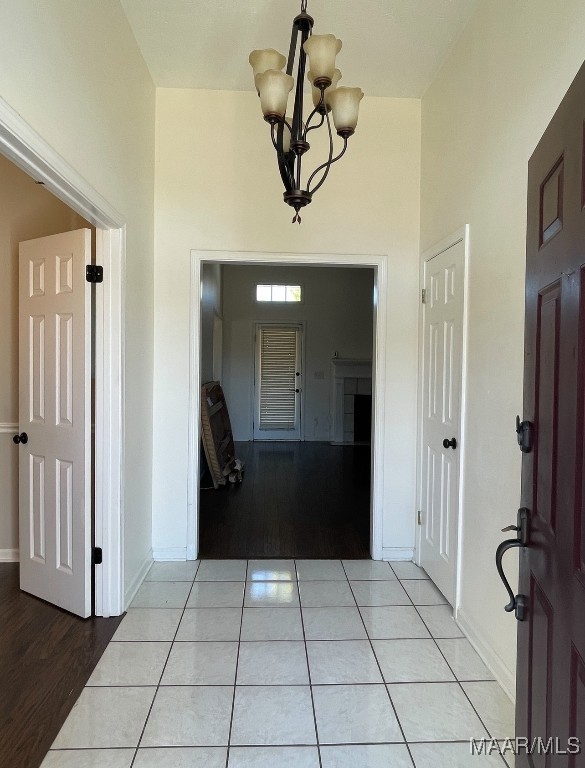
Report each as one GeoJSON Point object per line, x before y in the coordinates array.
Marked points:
{"type": "Point", "coordinates": [133, 587]}
{"type": "Point", "coordinates": [493, 661]}
{"type": "Point", "coordinates": [397, 553]}
{"type": "Point", "coordinates": [169, 553]}
{"type": "Point", "coordinates": [9, 556]}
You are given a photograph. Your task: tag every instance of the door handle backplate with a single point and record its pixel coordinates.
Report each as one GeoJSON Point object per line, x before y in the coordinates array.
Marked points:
{"type": "Point", "coordinates": [517, 603]}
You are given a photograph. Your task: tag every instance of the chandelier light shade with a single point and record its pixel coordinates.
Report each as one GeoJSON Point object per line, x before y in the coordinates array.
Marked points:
{"type": "Point", "coordinates": [322, 50]}
{"type": "Point", "coordinates": [289, 129]}
{"type": "Point", "coordinates": [316, 91]}
{"type": "Point", "coordinates": [345, 104]}
{"type": "Point", "coordinates": [268, 59]}
{"type": "Point", "coordinates": [274, 87]}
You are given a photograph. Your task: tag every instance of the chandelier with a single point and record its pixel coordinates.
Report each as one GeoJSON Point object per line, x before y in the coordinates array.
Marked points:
{"type": "Point", "coordinates": [289, 135]}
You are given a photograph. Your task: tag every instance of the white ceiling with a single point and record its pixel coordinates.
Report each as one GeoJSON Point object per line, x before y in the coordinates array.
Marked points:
{"type": "Point", "coordinates": [391, 47]}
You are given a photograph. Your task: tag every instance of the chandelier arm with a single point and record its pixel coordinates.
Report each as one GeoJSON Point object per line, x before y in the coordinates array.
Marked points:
{"type": "Point", "coordinates": [272, 130]}
{"type": "Point", "coordinates": [281, 123]}
{"type": "Point", "coordinates": [326, 165]}
{"type": "Point", "coordinates": [317, 125]}
{"type": "Point", "coordinates": [320, 107]}
{"type": "Point", "coordinates": [284, 165]}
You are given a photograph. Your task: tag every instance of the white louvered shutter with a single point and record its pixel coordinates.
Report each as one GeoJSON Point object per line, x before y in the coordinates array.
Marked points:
{"type": "Point", "coordinates": [278, 367]}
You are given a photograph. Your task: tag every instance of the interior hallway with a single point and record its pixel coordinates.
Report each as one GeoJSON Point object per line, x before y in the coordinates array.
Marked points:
{"type": "Point", "coordinates": [298, 499]}
{"type": "Point", "coordinates": [286, 664]}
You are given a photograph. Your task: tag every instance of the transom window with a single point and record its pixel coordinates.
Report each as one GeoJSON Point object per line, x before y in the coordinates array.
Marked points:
{"type": "Point", "coordinates": [283, 293]}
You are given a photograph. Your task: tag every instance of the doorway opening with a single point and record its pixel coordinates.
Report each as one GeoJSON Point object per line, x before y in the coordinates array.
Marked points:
{"type": "Point", "coordinates": [309, 487]}
{"type": "Point", "coordinates": [20, 145]}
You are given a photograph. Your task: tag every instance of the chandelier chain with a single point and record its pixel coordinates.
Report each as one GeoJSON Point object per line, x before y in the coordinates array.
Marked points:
{"type": "Point", "coordinates": [303, 6]}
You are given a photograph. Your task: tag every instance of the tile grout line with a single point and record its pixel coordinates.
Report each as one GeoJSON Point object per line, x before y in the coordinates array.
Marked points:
{"type": "Point", "coordinates": [308, 667]}
{"type": "Point", "coordinates": [164, 667]}
{"type": "Point", "coordinates": [297, 582]}
{"type": "Point", "coordinates": [378, 663]}
{"type": "Point", "coordinates": [416, 608]}
{"type": "Point", "coordinates": [229, 741]}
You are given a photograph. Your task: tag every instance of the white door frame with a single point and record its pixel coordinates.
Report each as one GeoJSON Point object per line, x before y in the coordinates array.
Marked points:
{"type": "Point", "coordinates": [29, 151]}
{"type": "Point", "coordinates": [379, 263]}
{"type": "Point", "coordinates": [461, 235]}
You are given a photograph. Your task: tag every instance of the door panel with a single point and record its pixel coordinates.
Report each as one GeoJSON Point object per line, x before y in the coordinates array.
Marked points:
{"type": "Point", "coordinates": [442, 355]}
{"type": "Point", "coordinates": [278, 382]}
{"type": "Point", "coordinates": [551, 639]}
{"type": "Point", "coordinates": [55, 392]}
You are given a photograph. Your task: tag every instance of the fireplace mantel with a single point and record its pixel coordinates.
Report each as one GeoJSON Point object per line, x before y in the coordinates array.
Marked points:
{"type": "Point", "coordinates": [343, 369]}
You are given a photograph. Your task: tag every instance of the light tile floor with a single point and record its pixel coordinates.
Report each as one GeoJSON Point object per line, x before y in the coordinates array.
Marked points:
{"type": "Point", "coordinates": [286, 664]}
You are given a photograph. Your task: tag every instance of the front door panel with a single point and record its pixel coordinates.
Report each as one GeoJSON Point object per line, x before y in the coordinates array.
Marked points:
{"type": "Point", "coordinates": [551, 639]}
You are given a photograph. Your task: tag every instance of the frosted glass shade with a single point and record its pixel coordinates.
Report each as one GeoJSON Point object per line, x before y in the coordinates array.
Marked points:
{"type": "Point", "coordinates": [322, 50]}
{"type": "Point", "coordinates": [317, 93]}
{"type": "Point", "coordinates": [345, 104]}
{"type": "Point", "coordinates": [274, 87]}
{"type": "Point", "coordinates": [266, 59]}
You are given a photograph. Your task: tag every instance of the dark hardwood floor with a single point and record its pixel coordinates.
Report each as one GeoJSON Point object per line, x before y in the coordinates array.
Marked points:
{"type": "Point", "coordinates": [309, 500]}
{"type": "Point", "coordinates": [46, 657]}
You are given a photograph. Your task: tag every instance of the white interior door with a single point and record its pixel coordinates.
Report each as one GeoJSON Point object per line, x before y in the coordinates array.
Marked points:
{"type": "Point", "coordinates": [441, 412]}
{"type": "Point", "coordinates": [278, 382]}
{"type": "Point", "coordinates": [55, 413]}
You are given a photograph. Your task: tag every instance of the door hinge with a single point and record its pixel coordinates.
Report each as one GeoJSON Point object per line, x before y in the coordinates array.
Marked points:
{"type": "Point", "coordinates": [423, 296]}
{"type": "Point", "coordinates": [94, 273]}
{"type": "Point", "coordinates": [419, 517]}
{"type": "Point", "coordinates": [97, 556]}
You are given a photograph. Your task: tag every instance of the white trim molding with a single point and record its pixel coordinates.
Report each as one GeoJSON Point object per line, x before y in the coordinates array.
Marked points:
{"type": "Point", "coordinates": [136, 582]}
{"type": "Point", "coordinates": [20, 143]}
{"type": "Point", "coordinates": [169, 554]}
{"type": "Point", "coordinates": [8, 429]}
{"type": "Point", "coordinates": [505, 677]}
{"type": "Point", "coordinates": [23, 145]}
{"type": "Point", "coordinates": [401, 554]}
{"type": "Point", "coordinates": [380, 264]}
{"type": "Point", "coordinates": [109, 422]}
{"type": "Point", "coordinates": [9, 556]}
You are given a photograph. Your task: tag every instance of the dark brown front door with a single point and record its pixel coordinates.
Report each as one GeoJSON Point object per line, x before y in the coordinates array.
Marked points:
{"type": "Point", "coordinates": [551, 640]}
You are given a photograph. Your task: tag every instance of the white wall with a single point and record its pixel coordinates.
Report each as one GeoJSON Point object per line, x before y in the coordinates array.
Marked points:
{"type": "Point", "coordinates": [72, 69]}
{"type": "Point", "coordinates": [218, 188]}
{"type": "Point", "coordinates": [211, 308]}
{"type": "Point", "coordinates": [27, 210]}
{"type": "Point", "coordinates": [481, 119]}
{"type": "Point", "coordinates": [336, 311]}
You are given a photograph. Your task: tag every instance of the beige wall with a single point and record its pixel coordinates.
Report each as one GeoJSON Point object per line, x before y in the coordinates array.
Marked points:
{"type": "Point", "coordinates": [218, 188]}
{"type": "Point", "coordinates": [27, 211]}
{"type": "Point", "coordinates": [72, 69]}
{"type": "Point", "coordinates": [481, 119]}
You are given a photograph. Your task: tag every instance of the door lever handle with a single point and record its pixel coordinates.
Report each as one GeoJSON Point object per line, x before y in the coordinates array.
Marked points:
{"type": "Point", "coordinates": [525, 435]}
{"type": "Point", "coordinates": [517, 603]}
